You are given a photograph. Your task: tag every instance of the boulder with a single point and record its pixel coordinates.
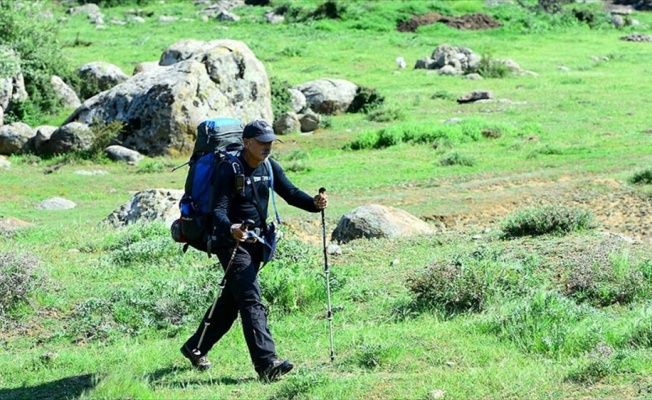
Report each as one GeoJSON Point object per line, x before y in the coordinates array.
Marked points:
{"type": "Point", "coordinates": [99, 76]}
{"type": "Point", "coordinates": [64, 93]}
{"type": "Point", "coordinates": [56, 203]}
{"type": "Point", "coordinates": [145, 66]}
{"type": "Point", "coordinates": [12, 84]}
{"type": "Point", "coordinates": [40, 139]}
{"type": "Point", "coordinates": [14, 138]}
{"type": "Point", "coordinates": [298, 100]}
{"type": "Point", "coordinates": [287, 123]}
{"type": "Point", "coordinates": [147, 206]}
{"type": "Point", "coordinates": [376, 221]}
{"type": "Point", "coordinates": [72, 136]}
{"type": "Point", "coordinates": [120, 153]}
{"type": "Point", "coordinates": [161, 108]}
{"type": "Point", "coordinates": [310, 121]}
{"type": "Point", "coordinates": [328, 96]}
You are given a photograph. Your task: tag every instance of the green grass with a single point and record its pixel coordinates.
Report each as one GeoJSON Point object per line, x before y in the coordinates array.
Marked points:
{"type": "Point", "coordinates": [540, 313]}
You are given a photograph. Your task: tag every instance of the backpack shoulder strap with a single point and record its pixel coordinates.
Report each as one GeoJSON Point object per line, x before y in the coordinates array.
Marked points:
{"type": "Point", "coordinates": [268, 165]}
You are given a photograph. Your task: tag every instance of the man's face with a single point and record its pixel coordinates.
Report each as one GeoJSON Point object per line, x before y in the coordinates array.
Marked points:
{"type": "Point", "coordinates": [258, 151]}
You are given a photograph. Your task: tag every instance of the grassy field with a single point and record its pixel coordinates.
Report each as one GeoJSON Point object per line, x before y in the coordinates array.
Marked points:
{"type": "Point", "coordinates": [468, 313]}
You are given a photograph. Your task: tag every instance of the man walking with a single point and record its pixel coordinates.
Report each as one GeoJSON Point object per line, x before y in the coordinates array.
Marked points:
{"type": "Point", "coordinates": [236, 199]}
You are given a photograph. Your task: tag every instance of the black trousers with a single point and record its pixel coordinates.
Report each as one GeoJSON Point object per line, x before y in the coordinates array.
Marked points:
{"type": "Point", "coordinates": [242, 295]}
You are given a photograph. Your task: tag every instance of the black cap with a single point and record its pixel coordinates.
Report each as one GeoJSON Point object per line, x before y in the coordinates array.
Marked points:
{"type": "Point", "coordinates": [259, 130]}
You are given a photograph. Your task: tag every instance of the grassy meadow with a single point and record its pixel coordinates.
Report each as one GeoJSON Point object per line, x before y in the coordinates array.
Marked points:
{"type": "Point", "coordinates": [536, 306]}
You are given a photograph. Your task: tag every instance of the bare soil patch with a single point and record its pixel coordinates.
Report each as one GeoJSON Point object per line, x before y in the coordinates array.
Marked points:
{"type": "Point", "coordinates": [618, 208]}
{"type": "Point", "coordinates": [465, 22]}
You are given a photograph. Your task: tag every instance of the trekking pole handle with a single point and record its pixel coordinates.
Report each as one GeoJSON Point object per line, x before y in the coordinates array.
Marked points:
{"type": "Point", "coordinates": [248, 223]}
{"type": "Point", "coordinates": [322, 190]}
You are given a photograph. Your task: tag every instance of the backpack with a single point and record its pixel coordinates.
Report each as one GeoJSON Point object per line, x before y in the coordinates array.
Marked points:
{"type": "Point", "coordinates": [218, 140]}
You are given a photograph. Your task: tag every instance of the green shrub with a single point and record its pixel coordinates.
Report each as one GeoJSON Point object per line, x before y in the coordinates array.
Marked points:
{"type": "Point", "coordinates": [640, 333]}
{"type": "Point", "coordinates": [297, 161]}
{"type": "Point", "coordinates": [456, 158]}
{"type": "Point", "coordinates": [20, 276]}
{"type": "Point", "coordinates": [144, 245]}
{"type": "Point", "coordinates": [452, 286]}
{"type": "Point", "coordinates": [443, 95]}
{"type": "Point", "coordinates": [164, 304]}
{"type": "Point", "coordinates": [371, 356]}
{"type": "Point", "coordinates": [290, 283]}
{"type": "Point", "coordinates": [602, 277]}
{"type": "Point", "coordinates": [643, 177]}
{"type": "Point", "coordinates": [546, 150]}
{"type": "Point", "coordinates": [281, 97]}
{"type": "Point", "coordinates": [492, 68]}
{"type": "Point", "coordinates": [541, 322]}
{"type": "Point", "coordinates": [386, 114]}
{"type": "Point", "coordinates": [425, 133]}
{"type": "Point", "coordinates": [155, 165]}
{"type": "Point", "coordinates": [602, 361]}
{"type": "Point", "coordinates": [34, 39]}
{"type": "Point", "coordinates": [116, 3]}
{"type": "Point", "coordinates": [365, 101]}
{"type": "Point", "coordinates": [548, 219]}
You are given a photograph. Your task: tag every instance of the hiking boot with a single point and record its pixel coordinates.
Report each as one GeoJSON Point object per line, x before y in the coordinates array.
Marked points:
{"type": "Point", "coordinates": [197, 361]}
{"type": "Point", "coordinates": [275, 370]}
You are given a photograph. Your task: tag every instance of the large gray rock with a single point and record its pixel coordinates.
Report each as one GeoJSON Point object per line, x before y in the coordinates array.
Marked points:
{"type": "Point", "coordinates": [99, 76]}
{"type": "Point", "coordinates": [14, 138]}
{"type": "Point", "coordinates": [120, 153]}
{"type": "Point", "coordinates": [376, 221]}
{"type": "Point", "coordinates": [148, 206]}
{"type": "Point", "coordinates": [72, 136]}
{"type": "Point", "coordinates": [12, 84]}
{"type": "Point", "coordinates": [310, 121]}
{"type": "Point", "coordinates": [452, 60]}
{"type": "Point", "coordinates": [41, 138]}
{"type": "Point", "coordinates": [287, 122]}
{"type": "Point", "coordinates": [328, 96]}
{"type": "Point", "coordinates": [161, 108]}
{"type": "Point", "coordinates": [56, 203]}
{"type": "Point", "coordinates": [63, 92]}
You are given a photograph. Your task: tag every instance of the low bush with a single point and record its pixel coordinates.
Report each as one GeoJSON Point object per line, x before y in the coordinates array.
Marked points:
{"type": "Point", "coordinates": [456, 158]}
{"type": "Point", "coordinates": [602, 277]}
{"type": "Point", "coordinates": [643, 177]}
{"type": "Point", "coordinates": [281, 96]}
{"type": "Point", "coordinates": [365, 101]}
{"type": "Point", "coordinates": [548, 219]}
{"type": "Point", "coordinates": [164, 304]}
{"type": "Point", "coordinates": [292, 282]}
{"type": "Point", "coordinates": [603, 361]}
{"type": "Point", "coordinates": [540, 322]}
{"type": "Point", "coordinates": [20, 276]}
{"type": "Point", "coordinates": [492, 68]}
{"type": "Point", "coordinates": [453, 287]}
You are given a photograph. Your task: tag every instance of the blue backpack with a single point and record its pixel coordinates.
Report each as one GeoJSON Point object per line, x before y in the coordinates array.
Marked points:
{"type": "Point", "coordinates": [218, 140]}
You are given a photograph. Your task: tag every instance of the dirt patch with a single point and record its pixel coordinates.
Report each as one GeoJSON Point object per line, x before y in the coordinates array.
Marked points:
{"type": "Point", "coordinates": [474, 22]}
{"type": "Point", "coordinates": [617, 207]}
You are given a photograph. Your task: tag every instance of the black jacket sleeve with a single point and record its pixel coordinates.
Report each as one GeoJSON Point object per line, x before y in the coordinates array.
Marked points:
{"type": "Point", "coordinates": [290, 193]}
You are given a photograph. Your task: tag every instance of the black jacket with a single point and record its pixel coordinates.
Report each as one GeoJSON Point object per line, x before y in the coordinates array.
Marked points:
{"type": "Point", "coordinates": [233, 207]}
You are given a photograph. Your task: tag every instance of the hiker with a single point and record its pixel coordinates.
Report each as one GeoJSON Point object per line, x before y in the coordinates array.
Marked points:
{"type": "Point", "coordinates": [233, 204]}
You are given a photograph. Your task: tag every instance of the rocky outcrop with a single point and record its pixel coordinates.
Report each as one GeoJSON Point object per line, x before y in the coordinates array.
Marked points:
{"type": "Point", "coordinates": [161, 108]}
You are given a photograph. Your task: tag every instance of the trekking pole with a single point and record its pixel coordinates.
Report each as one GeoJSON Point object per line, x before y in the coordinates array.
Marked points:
{"type": "Point", "coordinates": [245, 225]}
{"type": "Point", "coordinates": [327, 273]}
